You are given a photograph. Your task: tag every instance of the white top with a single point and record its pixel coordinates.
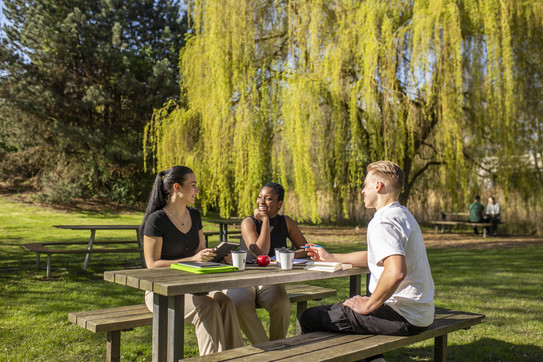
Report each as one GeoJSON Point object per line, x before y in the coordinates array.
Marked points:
{"type": "Point", "coordinates": [492, 209]}
{"type": "Point", "coordinates": [394, 231]}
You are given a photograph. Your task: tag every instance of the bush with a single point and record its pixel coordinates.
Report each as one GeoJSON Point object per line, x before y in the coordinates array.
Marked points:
{"type": "Point", "coordinates": [132, 191]}
{"type": "Point", "coordinates": [57, 191]}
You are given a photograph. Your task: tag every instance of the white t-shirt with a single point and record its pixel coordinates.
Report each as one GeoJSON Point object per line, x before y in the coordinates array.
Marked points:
{"type": "Point", "coordinates": [394, 231]}
{"type": "Point", "coordinates": [492, 209]}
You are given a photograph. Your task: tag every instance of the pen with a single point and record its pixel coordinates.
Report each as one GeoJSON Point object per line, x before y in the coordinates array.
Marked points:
{"type": "Point", "coordinates": [312, 246]}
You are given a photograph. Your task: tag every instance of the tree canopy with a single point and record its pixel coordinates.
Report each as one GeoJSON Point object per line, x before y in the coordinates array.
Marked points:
{"type": "Point", "coordinates": [308, 92]}
{"type": "Point", "coordinates": [80, 79]}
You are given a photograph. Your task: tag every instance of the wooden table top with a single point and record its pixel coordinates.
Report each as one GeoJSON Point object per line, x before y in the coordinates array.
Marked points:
{"type": "Point", "coordinates": [170, 282]}
{"type": "Point", "coordinates": [98, 227]}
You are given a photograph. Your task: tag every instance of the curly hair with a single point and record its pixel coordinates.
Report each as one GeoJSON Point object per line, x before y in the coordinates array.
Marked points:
{"type": "Point", "coordinates": [277, 189]}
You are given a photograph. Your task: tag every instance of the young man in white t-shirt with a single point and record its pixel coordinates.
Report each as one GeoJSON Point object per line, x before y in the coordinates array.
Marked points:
{"type": "Point", "coordinates": [401, 284]}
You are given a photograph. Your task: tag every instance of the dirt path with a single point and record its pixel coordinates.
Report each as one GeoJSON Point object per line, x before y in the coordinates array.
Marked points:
{"type": "Point", "coordinates": [465, 239]}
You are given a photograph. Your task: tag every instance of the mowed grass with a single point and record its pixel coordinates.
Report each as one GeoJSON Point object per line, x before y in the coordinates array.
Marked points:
{"type": "Point", "coordinates": [505, 284]}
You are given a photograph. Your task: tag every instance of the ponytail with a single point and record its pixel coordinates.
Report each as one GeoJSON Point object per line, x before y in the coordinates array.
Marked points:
{"type": "Point", "coordinates": [162, 189]}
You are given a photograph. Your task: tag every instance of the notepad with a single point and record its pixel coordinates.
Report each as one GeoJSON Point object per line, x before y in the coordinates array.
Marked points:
{"type": "Point", "coordinates": [327, 266]}
{"type": "Point", "coordinates": [203, 267]}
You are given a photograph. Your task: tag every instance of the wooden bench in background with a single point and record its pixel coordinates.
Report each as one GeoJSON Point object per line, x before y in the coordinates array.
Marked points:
{"type": "Point", "coordinates": [62, 247]}
{"type": "Point", "coordinates": [42, 248]}
{"type": "Point", "coordinates": [114, 320]}
{"type": "Point", "coordinates": [325, 346]}
{"type": "Point", "coordinates": [450, 219]}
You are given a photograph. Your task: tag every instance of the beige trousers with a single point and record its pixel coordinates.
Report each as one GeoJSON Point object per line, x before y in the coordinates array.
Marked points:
{"type": "Point", "coordinates": [274, 299]}
{"type": "Point", "coordinates": [214, 319]}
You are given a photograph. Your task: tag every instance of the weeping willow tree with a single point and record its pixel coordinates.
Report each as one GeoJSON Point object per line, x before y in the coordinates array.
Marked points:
{"type": "Point", "coordinates": [308, 92]}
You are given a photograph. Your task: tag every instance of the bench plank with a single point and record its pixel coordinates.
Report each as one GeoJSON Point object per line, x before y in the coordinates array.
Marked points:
{"type": "Point", "coordinates": [120, 322]}
{"type": "Point", "coordinates": [72, 317]}
{"type": "Point", "coordinates": [468, 223]}
{"type": "Point", "coordinates": [112, 319]}
{"type": "Point", "coordinates": [324, 346]}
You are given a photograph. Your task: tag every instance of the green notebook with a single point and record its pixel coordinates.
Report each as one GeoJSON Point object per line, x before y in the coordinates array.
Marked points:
{"type": "Point", "coordinates": [203, 267]}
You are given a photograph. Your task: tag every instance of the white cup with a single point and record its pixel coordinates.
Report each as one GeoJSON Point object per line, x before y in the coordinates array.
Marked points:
{"type": "Point", "coordinates": [277, 251]}
{"type": "Point", "coordinates": [286, 258]}
{"type": "Point", "coordinates": [239, 257]}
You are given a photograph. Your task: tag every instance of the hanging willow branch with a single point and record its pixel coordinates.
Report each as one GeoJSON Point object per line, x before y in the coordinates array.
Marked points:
{"type": "Point", "coordinates": [308, 92]}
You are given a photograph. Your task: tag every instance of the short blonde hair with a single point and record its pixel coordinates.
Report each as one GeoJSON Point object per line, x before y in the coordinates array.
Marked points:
{"type": "Point", "coordinates": [390, 173]}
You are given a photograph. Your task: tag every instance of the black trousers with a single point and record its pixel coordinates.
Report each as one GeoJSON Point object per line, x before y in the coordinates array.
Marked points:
{"type": "Point", "coordinates": [342, 319]}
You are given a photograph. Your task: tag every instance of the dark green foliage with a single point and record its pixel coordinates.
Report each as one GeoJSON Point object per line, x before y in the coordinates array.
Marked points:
{"type": "Point", "coordinates": [79, 81]}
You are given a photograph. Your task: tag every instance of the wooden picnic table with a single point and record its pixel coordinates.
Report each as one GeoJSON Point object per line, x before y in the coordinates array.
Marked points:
{"type": "Point", "coordinates": [223, 227]}
{"type": "Point", "coordinates": [450, 219]}
{"type": "Point", "coordinates": [93, 229]}
{"type": "Point", "coordinates": [170, 286]}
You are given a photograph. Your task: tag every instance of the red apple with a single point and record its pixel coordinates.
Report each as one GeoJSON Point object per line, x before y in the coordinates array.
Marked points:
{"type": "Point", "coordinates": [262, 260]}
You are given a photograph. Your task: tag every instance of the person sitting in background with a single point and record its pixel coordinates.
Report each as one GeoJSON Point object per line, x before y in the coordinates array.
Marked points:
{"type": "Point", "coordinates": [172, 232]}
{"type": "Point", "coordinates": [476, 212]}
{"type": "Point", "coordinates": [261, 234]}
{"type": "Point", "coordinates": [492, 214]}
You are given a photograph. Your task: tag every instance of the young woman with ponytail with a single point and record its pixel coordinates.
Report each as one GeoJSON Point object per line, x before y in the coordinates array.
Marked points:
{"type": "Point", "coordinates": [172, 232]}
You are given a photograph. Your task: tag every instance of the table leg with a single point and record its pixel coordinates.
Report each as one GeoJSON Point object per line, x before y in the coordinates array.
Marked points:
{"type": "Point", "coordinates": [354, 287]}
{"type": "Point", "coordinates": [440, 348]}
{"type": "Point", "coordinates": [48, 273]}
{"type": "Point", "coordinates": [300, 308]}
{"type": "Point", "coordinates": [176, 328]}
{"type": "Point", "coordinates": [160, 327]}
{"type": "Point", "coordinates": [368, 276]}
{"type": "Point", "coordinates": [221, 233]}
{"type": "Point", "coordinates": [89, 247]}
{"type": "Point", "coordinates": [140, 245]}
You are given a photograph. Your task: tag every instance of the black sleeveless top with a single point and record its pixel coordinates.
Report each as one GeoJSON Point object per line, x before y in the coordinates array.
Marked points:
{"type": "Point", "coordinates": [278, 234]}
{"type": "Point", "coordinates": [175, 244]}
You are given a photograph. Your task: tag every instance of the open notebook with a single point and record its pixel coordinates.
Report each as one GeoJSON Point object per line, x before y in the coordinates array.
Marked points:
{"type": "Point", "coordinates": [327, 266]}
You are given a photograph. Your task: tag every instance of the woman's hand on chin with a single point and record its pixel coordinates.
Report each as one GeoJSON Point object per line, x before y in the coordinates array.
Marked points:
{"type": "Point", "coordinates": [260, 214]}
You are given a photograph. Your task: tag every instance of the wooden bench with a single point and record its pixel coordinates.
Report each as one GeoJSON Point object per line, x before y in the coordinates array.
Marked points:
{"type": "Point", "coordinates": [325, 346]}
{"type": "Point", "coordinates": [207, 234]}
{"type": "Point", "coordinates": [115, 320]}
{"type": "Point", "coordinates": [450, 219]}
{"type": "Point", "coordinates": [42, 248]}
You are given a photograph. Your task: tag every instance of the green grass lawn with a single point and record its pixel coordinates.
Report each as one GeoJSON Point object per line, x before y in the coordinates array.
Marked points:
{"type": "Point", "coordinates": [505, 284]}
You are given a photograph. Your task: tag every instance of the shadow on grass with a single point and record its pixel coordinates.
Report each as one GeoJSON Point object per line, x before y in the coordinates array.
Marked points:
{"type": "Point", "coordinates": [484, 349]}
